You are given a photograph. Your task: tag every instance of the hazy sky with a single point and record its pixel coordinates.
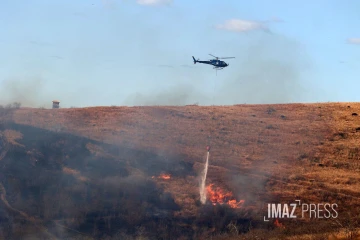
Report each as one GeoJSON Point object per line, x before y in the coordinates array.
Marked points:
{"type": "Point", "coordinates": [113, 52]}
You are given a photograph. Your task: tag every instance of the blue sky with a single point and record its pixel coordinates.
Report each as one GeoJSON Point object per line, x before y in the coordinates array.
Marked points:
{"type": "Point", "coordinates": [113, 52]}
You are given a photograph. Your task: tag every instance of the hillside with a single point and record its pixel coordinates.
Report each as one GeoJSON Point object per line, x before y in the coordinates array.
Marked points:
{"type": "Point", "coordinates": [116, 172]}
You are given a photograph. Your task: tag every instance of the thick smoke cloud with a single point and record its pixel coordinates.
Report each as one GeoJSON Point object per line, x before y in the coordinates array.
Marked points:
{"type": "Point", "coordinates": [178, 95]}
{"type": "Point", "coordinates": [270, 69]}
{"type": "Point", "coordinates": [27, 91]}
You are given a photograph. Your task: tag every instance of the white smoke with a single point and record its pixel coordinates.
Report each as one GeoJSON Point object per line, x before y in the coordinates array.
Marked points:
{"type": "Point", "coordinates": [203, 181]}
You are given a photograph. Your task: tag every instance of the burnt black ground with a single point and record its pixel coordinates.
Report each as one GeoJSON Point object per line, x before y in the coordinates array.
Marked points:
{"type": "Point", "coordinates": [110, 202]}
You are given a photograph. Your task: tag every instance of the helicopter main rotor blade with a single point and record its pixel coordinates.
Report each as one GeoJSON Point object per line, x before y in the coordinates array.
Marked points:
{"type": "Point", "coordinates": [226, 57]}
{"type": "Point", "coordinates": [213, 56]}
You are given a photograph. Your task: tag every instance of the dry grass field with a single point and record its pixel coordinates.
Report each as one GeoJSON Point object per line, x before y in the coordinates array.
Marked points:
{"type": "Point", "coordinates": [77, 171]}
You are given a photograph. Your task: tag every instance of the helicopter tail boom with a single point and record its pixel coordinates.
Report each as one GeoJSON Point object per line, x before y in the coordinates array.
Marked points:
{"type": "Point", "coordinates": [194, 60]}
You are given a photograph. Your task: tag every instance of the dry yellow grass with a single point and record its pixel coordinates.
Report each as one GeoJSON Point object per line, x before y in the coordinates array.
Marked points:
{"type": "Point", "coordinates": [75, 173]}
{"type": "Point", "coordinates": [11, 136]}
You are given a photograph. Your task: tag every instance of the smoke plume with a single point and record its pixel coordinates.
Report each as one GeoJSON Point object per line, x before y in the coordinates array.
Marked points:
{"type": "Point", "coordinates": [203, 180]}
{"type": "Point", "coordinates": [269, 68]}
{"type": "Point", "coordinates": [29, 92]}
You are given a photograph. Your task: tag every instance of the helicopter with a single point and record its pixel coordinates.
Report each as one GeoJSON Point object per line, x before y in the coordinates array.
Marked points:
{"type": "Point", "coordinates": [218, 64]}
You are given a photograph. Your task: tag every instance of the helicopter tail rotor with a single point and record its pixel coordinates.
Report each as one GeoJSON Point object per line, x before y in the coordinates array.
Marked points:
{"type": "Point", "coordinates": [194, 59]}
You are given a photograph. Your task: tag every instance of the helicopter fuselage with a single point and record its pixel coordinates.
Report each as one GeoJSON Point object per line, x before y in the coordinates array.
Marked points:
{"type": "Point", "coordinates": [215, 63]}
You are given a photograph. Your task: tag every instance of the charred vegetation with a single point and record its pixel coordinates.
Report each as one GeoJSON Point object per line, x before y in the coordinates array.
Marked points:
{"type": "Point", "coordinates": [92, 188]}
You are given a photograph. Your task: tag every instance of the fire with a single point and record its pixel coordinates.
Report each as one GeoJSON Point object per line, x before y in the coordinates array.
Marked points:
{"type": "Point", "coordinates": [218, 196]}
{"type": "Point", "coordinates": [163, 176]}
{"type": "Point", "coordinates": [278, 224]}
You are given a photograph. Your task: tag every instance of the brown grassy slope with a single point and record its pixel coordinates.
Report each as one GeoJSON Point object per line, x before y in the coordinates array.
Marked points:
{"type": "Point", "coordinates": [235, 132]}
{"type": "Point", "coordinates": [306, 150]}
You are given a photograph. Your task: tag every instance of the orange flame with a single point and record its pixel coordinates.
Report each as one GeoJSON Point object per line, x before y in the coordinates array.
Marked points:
{"type": "Point", "coordinates": [218, 196]}
{"type": "Point", "coordinates": [278, 224]}
{"type": "Point", "coordinates": [163, 176]}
